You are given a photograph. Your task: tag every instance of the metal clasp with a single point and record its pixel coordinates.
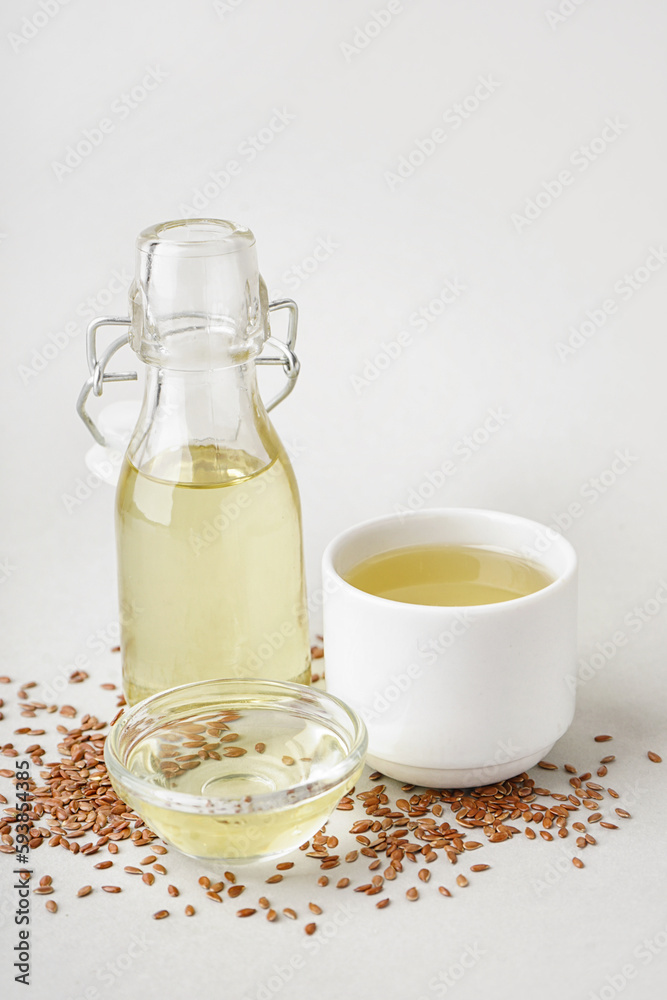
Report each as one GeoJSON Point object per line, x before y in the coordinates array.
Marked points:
{"type": "Point", "coordinates": [99, 375]}
{"type": "Point", "coordinates": [97, 368]}
{"type": "Point", "coordinates": [289, 360]}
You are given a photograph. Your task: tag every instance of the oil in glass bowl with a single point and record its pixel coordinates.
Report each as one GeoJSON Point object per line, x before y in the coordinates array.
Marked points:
{"type": "Point", "coordinates": [250, 778]}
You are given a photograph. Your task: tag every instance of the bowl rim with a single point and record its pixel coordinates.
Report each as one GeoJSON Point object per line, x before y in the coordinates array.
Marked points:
{"type": "Point", "coordinates": [260, 802]}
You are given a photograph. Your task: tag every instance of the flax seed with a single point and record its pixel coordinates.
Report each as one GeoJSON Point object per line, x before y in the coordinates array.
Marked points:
{"type": "Point", "coordinates": [479, 868]}
{"type": "Point", "coordinates": [148, 878]}
{"type": "Point", "coordinates": [161, 914]}
{"type": "Point", "coordinates": [655, 757]}
{"type": "Point", "coordinates": [51, 906]}
{"type": "Point", "coordinates": [285, 866]}
{"type": "Point", "coordinates": [189, 911]}
{"type": "Point", "coordinates": [274, 878]}
{"type": "Point", "coordinates": [603, 739]}
{"type": "Point", "coordinates": [85, 890]}
{"type": "Point", "coordinates": [111, 888]}
{"type": "Point", "coordinates": [443, 891]}
{"type": "Point", "coordinates": [235, 890]}
{"type": "Point", "coordinates": [172, 890]}
{"type": "Point", "coordinates": [342, 883]}
{"type": "Point", "coordinates": [310, 928]}
{"type": "Point", "coordinates": [271, 915]}
{"type": "Point", "coordinates": [577, 862]}
{"type": "Point", "coordinates": [412, 894]}
{"type": "Point", "coordinates": [247, 912]}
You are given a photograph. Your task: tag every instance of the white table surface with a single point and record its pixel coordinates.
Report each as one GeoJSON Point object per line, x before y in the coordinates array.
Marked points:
{"type": "Point", "coordinates": [360, 448]}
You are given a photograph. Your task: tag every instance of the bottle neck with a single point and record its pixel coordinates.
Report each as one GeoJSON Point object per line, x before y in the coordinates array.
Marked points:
{"type": "Point", "coordinates": [202, 426]}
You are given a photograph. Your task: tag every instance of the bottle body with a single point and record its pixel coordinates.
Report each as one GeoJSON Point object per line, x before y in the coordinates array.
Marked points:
{"type": "Point", "coordinates": [210, 566]}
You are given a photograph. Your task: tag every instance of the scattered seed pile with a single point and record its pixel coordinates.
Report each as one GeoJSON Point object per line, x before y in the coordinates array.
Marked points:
{"type": "Point", "coordinates": [83, 814]}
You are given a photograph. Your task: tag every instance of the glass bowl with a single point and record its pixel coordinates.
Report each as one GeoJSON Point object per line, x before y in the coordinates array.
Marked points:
{"type": "Point", "coordinates": [236, 770]}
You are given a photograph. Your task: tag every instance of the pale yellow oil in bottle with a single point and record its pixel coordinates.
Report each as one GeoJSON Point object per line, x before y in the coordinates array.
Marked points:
{"type": "Point", "coordinates": [210, 572]}
{"type": "Point", "coordinates": [448, 575]}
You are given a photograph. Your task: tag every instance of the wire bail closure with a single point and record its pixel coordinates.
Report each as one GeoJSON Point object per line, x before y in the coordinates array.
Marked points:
{"type": "Point", "coordinates": [99, 375]}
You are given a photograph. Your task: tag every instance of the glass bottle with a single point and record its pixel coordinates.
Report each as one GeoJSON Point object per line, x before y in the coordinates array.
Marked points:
{"type": "Point", "coordinates": [208, 520]}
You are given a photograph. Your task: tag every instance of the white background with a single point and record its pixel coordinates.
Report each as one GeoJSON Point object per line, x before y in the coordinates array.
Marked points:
{"type": "Point", "coordinates": [360, 447]}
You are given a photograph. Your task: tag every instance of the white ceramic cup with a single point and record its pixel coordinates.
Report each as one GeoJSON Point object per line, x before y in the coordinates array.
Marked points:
{"type": "Point", "coordinates": [454, 696]}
